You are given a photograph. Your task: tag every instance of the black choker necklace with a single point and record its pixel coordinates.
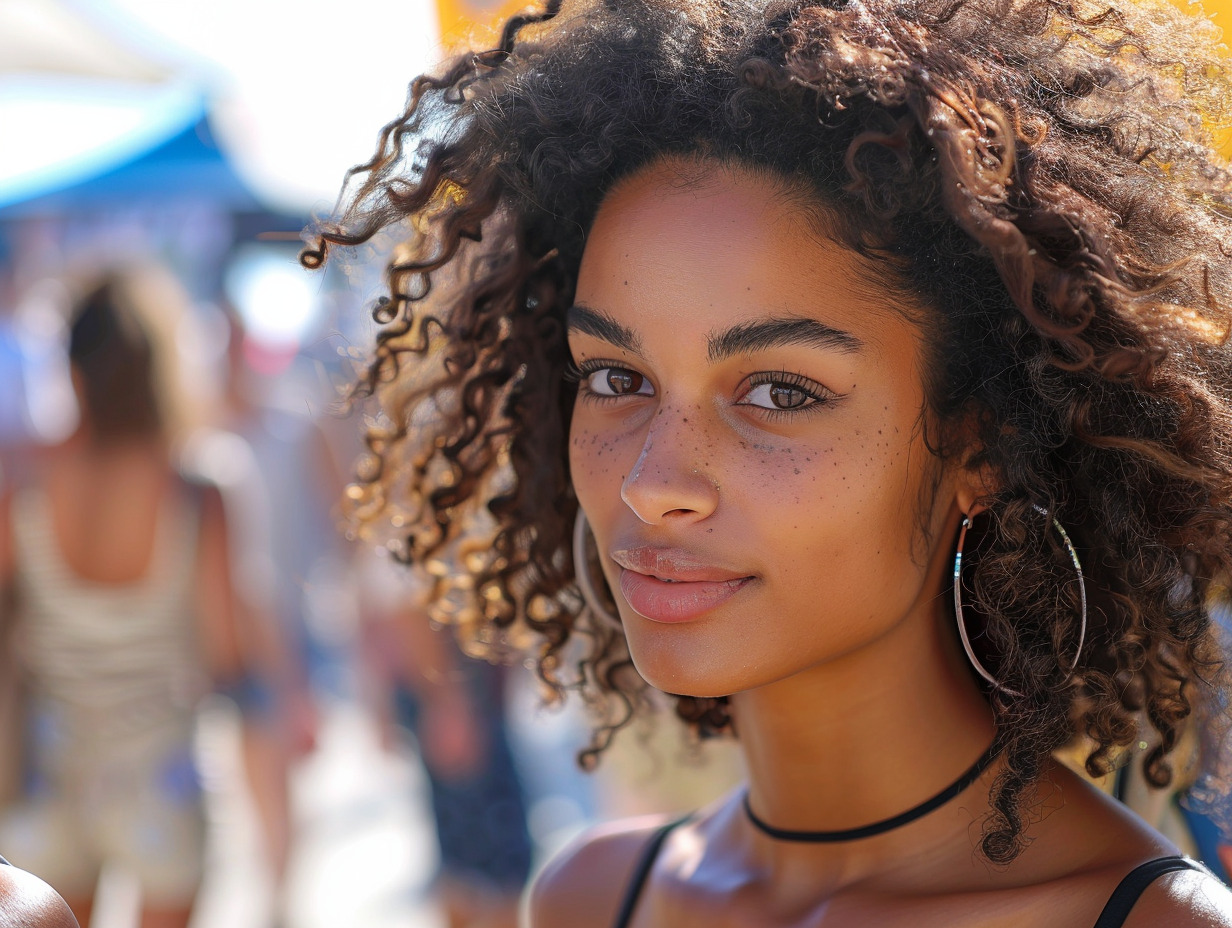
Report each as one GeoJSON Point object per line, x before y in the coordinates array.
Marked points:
{"type": "Point", "coordinates": [889, 824]}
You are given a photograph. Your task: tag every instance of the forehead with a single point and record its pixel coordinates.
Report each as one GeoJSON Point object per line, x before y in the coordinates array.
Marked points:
{"type": "Point", "coordinates": [708, 242]}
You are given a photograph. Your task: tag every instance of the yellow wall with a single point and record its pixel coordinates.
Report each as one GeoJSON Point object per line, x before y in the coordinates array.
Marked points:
{"type": "Point", "coordinates": [474, 22]}
{"type": "Point", "coordinates": [1220, 12]}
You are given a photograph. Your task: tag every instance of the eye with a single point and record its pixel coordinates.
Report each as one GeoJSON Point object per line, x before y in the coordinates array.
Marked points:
{"type": "Point", "coordinates": [616, 381]}
{"type": "Point", "coordinates": [778, 396]}
{"type": "Point", "coordinates": [783, 392]}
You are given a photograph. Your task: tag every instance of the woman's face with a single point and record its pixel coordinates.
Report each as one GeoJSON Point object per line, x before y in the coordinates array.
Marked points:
{"type": "Point", "coordinates": [748, 437]}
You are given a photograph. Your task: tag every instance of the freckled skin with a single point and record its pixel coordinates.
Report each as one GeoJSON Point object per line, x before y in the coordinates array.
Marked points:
{"type": "Point", "coordinates": [676, 267]}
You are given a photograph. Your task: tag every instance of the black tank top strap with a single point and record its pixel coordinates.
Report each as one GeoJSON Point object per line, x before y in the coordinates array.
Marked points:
{"type": "Point", "coordinates": [1135, 883]}
{"type": "Point", "coordinates": [645, 863]}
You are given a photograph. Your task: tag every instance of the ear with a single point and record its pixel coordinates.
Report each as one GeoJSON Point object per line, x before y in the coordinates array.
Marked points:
{"type": "Point", "coordinates": [976, 480]}
{"type": "Point", "coordinates": [975, 487]}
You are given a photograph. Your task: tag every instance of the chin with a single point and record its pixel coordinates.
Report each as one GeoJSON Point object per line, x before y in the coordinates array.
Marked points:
{"type": "Point", "coordinates": [686, 672]}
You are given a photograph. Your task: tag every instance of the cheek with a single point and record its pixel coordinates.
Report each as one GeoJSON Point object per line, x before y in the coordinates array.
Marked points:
{"type": "Point", "coordinates": [594, 465]}
{"type": "Point", "coordinates": [841, 515]}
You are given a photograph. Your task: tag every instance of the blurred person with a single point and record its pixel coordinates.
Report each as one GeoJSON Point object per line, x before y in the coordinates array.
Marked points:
{"type": "Point", "coordinates": [454, 706]}
{"type": "Point", "coordinates": [278, 476]}
{"type": "Point", "coordinates": [122, 612]}
{"type": "Point", "coordinates": [293, 483]}
{"type": "Point", "coordinates": [857, 372]}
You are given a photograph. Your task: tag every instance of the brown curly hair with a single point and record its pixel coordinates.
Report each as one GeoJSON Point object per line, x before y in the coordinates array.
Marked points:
{"type": "Point", "coordinates": [1040, 171]}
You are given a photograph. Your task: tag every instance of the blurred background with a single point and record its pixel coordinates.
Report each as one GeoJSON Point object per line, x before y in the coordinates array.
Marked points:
{"type": "Point", "coordinates": [325, 757]}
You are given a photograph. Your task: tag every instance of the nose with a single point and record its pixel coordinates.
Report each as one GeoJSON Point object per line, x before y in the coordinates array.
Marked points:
{"type": "Point", "coordinates": [669, 482]}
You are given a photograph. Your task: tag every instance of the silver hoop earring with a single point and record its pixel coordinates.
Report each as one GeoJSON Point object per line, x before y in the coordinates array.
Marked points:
{"type": "Point", "coordinates": [581, 570]}
{"type": "Point", "coordinates": [962, 626]}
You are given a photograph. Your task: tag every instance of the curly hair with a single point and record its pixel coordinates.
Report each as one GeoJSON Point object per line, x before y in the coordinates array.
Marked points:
{"type": "Point", "coordinates": [1041, 172]}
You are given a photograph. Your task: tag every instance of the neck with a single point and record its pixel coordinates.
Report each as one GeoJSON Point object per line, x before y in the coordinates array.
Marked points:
{"type": "Point", "coordinates": [865, 737]}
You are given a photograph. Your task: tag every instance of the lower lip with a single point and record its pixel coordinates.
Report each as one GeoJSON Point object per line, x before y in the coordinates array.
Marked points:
{"type": "Point", "coordinates": [661, 601]}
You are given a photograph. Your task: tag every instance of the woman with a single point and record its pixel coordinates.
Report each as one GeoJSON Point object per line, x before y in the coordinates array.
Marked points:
{"type": "Point", "coordinates": [123, 608]}
{"type": "Point", "coordinates": [879, 349]}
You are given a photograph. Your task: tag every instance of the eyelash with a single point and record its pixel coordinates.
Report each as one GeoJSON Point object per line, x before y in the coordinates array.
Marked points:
{"type": "Point", "coordinates": [579, 374]}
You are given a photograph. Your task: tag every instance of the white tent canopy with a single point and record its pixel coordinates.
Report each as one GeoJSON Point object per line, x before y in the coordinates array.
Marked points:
{"type": "Point", "coordinates": [45, 36]}
{"type": "Point", "coordinates": [297, 90]}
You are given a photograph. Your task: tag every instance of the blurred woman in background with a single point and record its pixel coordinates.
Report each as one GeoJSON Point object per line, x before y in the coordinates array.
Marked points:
{"type": "Point", "coordinates": [121, 609]}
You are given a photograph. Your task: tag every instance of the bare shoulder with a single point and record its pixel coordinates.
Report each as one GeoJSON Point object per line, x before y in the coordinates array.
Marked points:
{"type": "Point", "coordinates": [1184, 899]}
{"type": "Point", "coordinates": [28, 902]}
{"type": "Point", "coordinates": [583, 885]}
{"type": "Point", "coordinates": [1090, 846]}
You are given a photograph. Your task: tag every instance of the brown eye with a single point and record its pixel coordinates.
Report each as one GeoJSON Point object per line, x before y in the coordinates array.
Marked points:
{"type": "Point", "coordinates": [617, 381]}
{"type": "Point", "coordinates": [621, 381]}
{"type": "Point", "coordinates": [781, 393]}
{"type": "Point", "coordinates": [787, 397]}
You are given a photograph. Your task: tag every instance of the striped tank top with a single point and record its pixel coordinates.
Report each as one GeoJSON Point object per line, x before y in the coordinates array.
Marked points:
{"type": "Point", "coordinates": [111, 657]}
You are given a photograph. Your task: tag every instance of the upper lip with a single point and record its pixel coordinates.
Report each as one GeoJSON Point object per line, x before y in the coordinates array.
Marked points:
{"type": "Point", "coordinates": [677, 564]}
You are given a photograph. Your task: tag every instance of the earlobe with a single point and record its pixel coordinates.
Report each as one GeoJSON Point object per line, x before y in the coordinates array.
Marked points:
{"type": "Point", "coordinates": [970, 504]}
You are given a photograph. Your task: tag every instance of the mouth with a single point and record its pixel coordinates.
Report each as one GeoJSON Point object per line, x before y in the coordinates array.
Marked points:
{"type": "Point", "coordinates": [674, 565]}
{"type": "Point", "coordinates": [671, 601]}
{"type": "Point", "coordinates": [672, 585]}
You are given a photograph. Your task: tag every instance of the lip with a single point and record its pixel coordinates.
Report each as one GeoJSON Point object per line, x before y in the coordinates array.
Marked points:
{"type": "Point", "coordinates": [673, 585]}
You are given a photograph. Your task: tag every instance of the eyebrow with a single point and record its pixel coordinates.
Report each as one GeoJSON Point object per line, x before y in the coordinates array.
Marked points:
{"type": "Point", "coordinates": [745, 338]}
{"type": "Point", "coordinates": [775, 332]}
{"type": "Point", "coordinates": [581, 318]}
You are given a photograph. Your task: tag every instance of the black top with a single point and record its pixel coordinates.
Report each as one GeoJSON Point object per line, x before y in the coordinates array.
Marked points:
{"type": "Point", "coordinates": [644, 864]}
{"type": "Point", "coordinates": [1137, 880]}
{"type": "Point", "coordinates": [1113, 916]}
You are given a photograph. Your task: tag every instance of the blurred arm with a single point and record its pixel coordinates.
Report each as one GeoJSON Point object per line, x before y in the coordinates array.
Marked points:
{"type": "Point", "coordinates": [247, 661]}
{"type": "Point", "coordinates": [400, 647]}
